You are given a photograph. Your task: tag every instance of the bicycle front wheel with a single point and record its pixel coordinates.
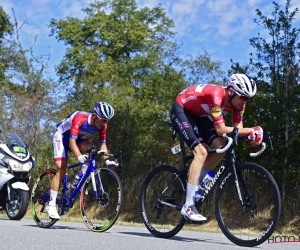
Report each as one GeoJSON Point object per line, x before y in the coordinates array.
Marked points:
{"type": "Point", "coordinates": [162, 197]}
{"type": "Point", "coordinates": [252, 223]}
{"type": "Point", "coordinates": [40, 198]}
{"type": "Point", "coordinates": [101, 212]}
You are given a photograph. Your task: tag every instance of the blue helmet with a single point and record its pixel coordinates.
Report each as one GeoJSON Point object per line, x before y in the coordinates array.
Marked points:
{"type": "Point", "coordinates": [104, 110]}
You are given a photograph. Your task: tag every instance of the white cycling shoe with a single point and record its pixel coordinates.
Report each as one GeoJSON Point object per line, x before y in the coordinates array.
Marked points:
{"type": "Point", "coordinates": [52, 212]}
{"type": "Point", "coordinates": [192, 213]}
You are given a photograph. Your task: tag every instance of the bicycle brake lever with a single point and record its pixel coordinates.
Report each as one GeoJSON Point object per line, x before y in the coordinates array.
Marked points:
{"type": "Point", "coordinates": [102, 152]}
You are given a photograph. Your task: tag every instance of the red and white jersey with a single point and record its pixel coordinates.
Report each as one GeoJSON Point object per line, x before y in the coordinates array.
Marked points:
{"type": "Point", "coordinates": [78, 124]}
{"type": "Point", "coordinates": [208, 100]}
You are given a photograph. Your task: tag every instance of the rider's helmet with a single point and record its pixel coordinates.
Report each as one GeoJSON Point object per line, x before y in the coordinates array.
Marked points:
{"type": "Point", "coordinates": [104, 110]}
{"type": "Point", "coordinates": [242, 85]}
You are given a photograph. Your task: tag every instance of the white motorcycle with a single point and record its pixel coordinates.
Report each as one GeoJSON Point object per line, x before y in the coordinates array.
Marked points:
{"type": "Point", "coordinates": [16, 166]}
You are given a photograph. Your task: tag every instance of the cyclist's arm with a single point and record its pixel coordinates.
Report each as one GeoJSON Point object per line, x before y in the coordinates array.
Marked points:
{"type": "Point", "coordinates": [74, 147]}
{"type": "Point", "coordinates": [103, 147]}
{"type": "Point", "coordinates": [221, 129]}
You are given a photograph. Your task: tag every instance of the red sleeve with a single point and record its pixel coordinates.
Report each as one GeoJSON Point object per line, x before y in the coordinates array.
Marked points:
{"type": "Point", "coordinates": [237, 115]}
{"type": "Point", "coordinates": [77, 122]}
{"type": "Point", "coordinates": [102, 134]}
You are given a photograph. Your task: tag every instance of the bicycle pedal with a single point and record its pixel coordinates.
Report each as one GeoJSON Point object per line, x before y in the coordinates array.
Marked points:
{"type": "Point", "coordinates": [193, 222]}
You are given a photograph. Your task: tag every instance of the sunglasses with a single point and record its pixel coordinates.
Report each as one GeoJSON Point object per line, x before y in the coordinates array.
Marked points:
{"type": "Point", "coordinates": [244, 98]}
{"type": "Point", "coordinates": [103, 120]}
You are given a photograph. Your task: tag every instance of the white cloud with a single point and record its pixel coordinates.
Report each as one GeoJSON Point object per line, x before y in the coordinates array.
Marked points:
{"type": "Point", "coordinates": [148, 3]}
{"type": "Point", "coordinates": [74, 8]}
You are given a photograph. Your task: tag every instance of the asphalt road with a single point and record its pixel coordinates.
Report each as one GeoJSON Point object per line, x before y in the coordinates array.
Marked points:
{"type": "Point", "coordinates": [24, 234]}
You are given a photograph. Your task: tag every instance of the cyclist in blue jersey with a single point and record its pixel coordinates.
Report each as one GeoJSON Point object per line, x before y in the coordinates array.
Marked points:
{"type": "Point", "coordinates": [70, 136]}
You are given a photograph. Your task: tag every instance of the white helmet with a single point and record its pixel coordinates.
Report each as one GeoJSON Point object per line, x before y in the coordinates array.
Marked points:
{"type": "Point", "coordinates": [104, 110]}
{"type": "Point", "coordinates": [242, 85]}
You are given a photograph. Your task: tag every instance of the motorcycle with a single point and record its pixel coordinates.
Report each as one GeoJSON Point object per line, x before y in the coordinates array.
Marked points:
{"type": "Point", "coordinates": [16, 166]}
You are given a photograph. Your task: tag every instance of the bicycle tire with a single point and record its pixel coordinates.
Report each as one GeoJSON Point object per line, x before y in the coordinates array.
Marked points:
{"type": "Point", "coordinates": [161, 220]}
{"type": "Point", "coordinates": [40, 197]}
{"type": "Point", "coordinates": [100, 215]}
{"type": "Point", "coordinates": [252, 224]}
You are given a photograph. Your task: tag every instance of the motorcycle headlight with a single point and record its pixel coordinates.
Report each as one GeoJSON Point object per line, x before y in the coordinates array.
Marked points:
{"type": "Point", "coordinates": [17, 166]}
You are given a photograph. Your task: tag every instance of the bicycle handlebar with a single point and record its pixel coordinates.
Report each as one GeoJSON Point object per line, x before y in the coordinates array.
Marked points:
{"type": "Point", "coordinates": [233, 137]}
{"type": "Point", "coordinates": [230, 137]}
{"type": "Point", "coordinates": [116, 157]}
{"type": "Point", "coordinates": [259, 152]}
{"type": "Point", "coordinates": [263, 145]}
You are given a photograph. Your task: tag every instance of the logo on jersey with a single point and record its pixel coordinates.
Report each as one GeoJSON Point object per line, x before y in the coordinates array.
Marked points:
{"type": "Point", "coordinates": [217, 100]}
{"type": "Point", "coordinates": [241, 113]}
{"type": "Point", "coordinates": [216, 111]}
{"type": "Point", "coordinates": [192, 97]}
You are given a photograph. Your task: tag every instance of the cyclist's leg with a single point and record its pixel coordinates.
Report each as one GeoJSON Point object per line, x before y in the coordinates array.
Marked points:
{"type": "Point", "coordinates": [184, 123]}
{"type": "Point", "coordinates": [213, 160]}
{"type": "Point", "coordinates": [209, 135]}
{"type": "Point", "coordinates": [60, 158]}
{"type": "Point", "coordinates": [83, 145]}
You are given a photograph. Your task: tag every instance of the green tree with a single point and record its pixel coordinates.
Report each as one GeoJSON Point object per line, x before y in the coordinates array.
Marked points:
{"type": "Point", "coordinates": [126, 56]}
{"type": "Point", "coordinates": [276, 62]}
{"type": "Point", "coordinates": [27, 96]}
{"type": "Point", "coordinates": [5, 29]}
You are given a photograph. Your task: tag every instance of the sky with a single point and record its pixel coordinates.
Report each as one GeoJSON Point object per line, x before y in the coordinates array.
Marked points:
{"type": "Point", "coordinates": [220, 27]}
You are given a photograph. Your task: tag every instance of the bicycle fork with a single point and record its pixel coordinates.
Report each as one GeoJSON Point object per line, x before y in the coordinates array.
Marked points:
{"type": "Point", "coordinates": [237, 175]}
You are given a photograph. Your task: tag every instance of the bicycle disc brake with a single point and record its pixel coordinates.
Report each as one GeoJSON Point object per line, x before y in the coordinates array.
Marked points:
{"type": "Point", "coordinates": [250, 204]}
{"type": "Point", "coordinates": [104, 198]}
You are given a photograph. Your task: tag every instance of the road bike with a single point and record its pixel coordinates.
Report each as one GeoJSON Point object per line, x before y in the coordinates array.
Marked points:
{"type": "Point", "coordinates": [247, 198]}
{"type": "Point", "coordinates": [100, 189]}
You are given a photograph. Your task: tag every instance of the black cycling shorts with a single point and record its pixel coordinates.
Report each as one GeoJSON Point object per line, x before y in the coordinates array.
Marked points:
{"type": "Point", "coordinates": [195, 129]}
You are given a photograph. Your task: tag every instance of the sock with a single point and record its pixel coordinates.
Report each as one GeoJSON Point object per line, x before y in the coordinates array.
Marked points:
{"type": "Point", "coordinates": [53, 195]}
{"type": "Point", "coordinates": [190, 192]}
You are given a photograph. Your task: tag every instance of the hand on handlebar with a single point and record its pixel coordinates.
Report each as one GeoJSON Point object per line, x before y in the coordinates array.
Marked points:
{"type": "Point", "coordinates": [82, 158]}
{"type": "Point", "coordinates": [111, 164]}
{"type": "Point", "coordinates": [255, 137]}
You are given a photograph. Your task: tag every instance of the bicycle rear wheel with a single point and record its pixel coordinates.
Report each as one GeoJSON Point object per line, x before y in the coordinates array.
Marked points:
{"type": "Point", "coordinates": [162, 197]}
{"type": "Point", "coordinates": [40, 198]}
{"type": "Point", "coordinates": [254, 222]}
{"type": "Point", "coordinates": [100, 214]}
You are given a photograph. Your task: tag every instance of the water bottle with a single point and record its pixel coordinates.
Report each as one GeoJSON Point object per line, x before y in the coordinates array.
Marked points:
{"type": "Point", "coordinates": [203, 184]}
{"type": "Point", "coordinates": [77, 179]}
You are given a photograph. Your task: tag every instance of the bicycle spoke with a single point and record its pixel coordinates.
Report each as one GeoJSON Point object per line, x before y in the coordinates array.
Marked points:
{"type": "Point", "coordinates": [99, 215]}
{"type": "Point", "coordinates": [40, 198]}
{"type": "Point", "coordinates": [161, 200]}
{"type": "Point", "coordinates": [252, 223]}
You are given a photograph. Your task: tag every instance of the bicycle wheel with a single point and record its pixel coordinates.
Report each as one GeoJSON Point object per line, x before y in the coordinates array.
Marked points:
{"type": "Point", "coordinates": [254, 222]}
{"type": "Point", "coordinates": [40, 198]}
{"type": "Point", "coordinates": [162, 197]}
{"type": "Point", "coordinates": [100, 214]}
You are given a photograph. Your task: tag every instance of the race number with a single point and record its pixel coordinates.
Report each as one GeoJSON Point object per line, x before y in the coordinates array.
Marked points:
{"type": "Point", "coordinates": [176, 148]}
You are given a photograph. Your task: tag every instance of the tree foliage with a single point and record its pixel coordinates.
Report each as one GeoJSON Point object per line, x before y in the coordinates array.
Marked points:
{"type": "Point", "coordinates": [27, 96]}
{"type": "Point", "coordinates": [277, 64]}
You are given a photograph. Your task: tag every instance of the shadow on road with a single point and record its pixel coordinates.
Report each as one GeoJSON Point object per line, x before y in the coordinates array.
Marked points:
{"type": "Point", "coordinates": [178, 238]}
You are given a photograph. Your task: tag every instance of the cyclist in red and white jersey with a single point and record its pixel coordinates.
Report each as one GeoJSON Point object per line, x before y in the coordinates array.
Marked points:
{"type": "Point", "coordinates": [198, 114]}
{"type": "Point", "coordinates": [71, 135]}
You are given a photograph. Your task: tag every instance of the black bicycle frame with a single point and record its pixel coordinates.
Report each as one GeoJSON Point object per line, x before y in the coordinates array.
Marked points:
{"type": "Point", "coordinates": [230, 159]}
